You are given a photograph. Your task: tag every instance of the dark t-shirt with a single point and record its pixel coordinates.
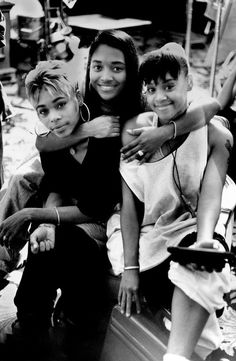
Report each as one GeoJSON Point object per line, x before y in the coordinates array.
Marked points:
{"type": "Point", "coordinates": [94, 183]}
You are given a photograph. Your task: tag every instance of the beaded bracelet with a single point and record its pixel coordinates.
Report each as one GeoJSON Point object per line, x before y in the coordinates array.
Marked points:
{"type": "Point", "coordinates": [131, 267]}
{"type": "Point", "coordinates": [175, 129]}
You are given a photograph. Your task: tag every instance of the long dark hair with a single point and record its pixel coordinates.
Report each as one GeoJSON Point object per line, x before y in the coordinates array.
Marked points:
{"type": "Point", "coordinates": [128, 103]}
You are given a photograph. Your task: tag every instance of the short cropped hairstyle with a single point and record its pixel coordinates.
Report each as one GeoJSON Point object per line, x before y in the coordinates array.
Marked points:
{"type": "Point", "coordinates": [54, 75]}
{"type": "Point", "coordinates": [171, 58]}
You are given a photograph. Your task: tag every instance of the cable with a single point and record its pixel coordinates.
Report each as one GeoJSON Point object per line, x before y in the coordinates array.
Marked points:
{"type": "Point", "coordinates": [186, 203]}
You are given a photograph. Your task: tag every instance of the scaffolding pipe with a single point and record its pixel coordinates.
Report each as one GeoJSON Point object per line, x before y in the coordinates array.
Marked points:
{"type": "Point", "coordinates": [216, 45]}
{"type": "Point", "coordinates": [189, 28]}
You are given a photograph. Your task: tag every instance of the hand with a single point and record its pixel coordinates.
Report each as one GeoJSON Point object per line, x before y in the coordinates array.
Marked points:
{"type": "Point", "coordinates": [43, 238]}
{"type": "Point", "coordinates": [147, 139]}
{"type": "Point", "coordinates": [128, 292]}
{"type": "Point", "coordinates": [105, 126]}
{"type": "Point", "coordinates": [13, 230]}
{"type": "Point", "coordinates": [211, 244]}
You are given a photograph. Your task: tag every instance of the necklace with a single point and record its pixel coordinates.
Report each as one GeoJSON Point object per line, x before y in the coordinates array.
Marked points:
{"type": "Point", "coordinates": [177, 182]}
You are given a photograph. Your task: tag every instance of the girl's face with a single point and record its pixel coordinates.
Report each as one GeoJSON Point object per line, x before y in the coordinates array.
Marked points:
{"type": "Point", "coordinates": [168, 97]}
{"type": "Point", "coordinates": [58, 112]}
{"type": "Point", "coordinates": [107, 72]}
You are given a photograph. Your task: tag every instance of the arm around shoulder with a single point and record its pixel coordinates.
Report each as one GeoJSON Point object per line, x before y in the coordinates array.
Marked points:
{"type": "Point", "coordinates": [140, 121]}
{"type": "Point", "coordinates": [199, 113]}
{"type": "Point", "coordinates": [220, 142]}
{"type": "Point", "coordinates": [52, 143]}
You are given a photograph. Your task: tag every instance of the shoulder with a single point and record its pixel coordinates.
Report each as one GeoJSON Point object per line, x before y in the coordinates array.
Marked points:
{"type": "Point", "coordinates": [219, 135]}
{"type": "Point", "coordinates": [142, 120]}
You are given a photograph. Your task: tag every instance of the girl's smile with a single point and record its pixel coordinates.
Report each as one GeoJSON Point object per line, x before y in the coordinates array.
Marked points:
{"type": "Point", "coordinates": [168, 97]}
{"type": "Point", "coordinates": [108, 72]}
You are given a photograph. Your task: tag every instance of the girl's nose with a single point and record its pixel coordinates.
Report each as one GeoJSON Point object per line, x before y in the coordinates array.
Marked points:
{"type": "Point", "coordinates": [54, 116]}
{"type": "Point", "coordinates": [160, 95]}
{"type": "Point", "coordinates": [106, 74]}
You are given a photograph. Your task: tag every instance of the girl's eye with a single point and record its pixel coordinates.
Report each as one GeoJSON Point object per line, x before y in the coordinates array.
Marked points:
{"type": "Point", "coordinates": [61, 105]}
{"type": "Point", "coordinates": [96, 67]}
{"type": "Point", "coordinates": [150, 90]}
{"type": "Point", "coordinates": [169, 87]}
{"type": "Point", "coordinates": [118, 69]}
{"type": "Point", "coordinates": [42, 112]}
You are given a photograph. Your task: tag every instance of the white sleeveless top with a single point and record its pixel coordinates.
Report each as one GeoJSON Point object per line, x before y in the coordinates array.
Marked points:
{"type": "Point", "coordinates": [166, 220]}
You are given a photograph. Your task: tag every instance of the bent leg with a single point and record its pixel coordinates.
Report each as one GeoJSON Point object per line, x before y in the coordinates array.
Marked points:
{"type": "Point", "coordinates": [21, 191]}
{"type": "Point", "coordinates": [22, 187]}
{"type": "Point", "coordinates": [37, 290]}
{"type": "Point", "coordinates": [188, 320]}
{"type": "Point", "coordinates": [202, 293]}
{"type": "Point", "coordinates": [82, 274]}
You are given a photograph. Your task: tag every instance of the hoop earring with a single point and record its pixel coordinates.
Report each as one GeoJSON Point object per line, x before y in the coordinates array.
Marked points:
{"type": "Point", "coordinates": [88, 113]}
{"type": "Point", "coordinates": [43, 134]}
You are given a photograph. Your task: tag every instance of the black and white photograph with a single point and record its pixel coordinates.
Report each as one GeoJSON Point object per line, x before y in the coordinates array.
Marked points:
{"type": "Point", "coordinates": [117, 180]}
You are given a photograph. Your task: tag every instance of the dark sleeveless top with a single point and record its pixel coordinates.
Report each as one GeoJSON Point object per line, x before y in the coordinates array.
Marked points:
{"type": "Point", "coordinates": [94, 183]}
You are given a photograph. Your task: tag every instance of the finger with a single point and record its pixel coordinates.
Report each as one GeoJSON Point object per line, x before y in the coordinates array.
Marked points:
{"type": "Point", "coordinates": [113, 135]}
{"type": "Point", "coordinates": [218, 268]}
{"type": "Point", "coordinates": [123, 302]}
{"type": "Point", "coordinates": [129, 146]}
{"type": "Point", "coordinates": [208, 269]}
{"type": "Point", "coordinates": [116, 122]}
{"type": "Point", "coordinates": [191, 266]}
{"type": "Point", "coordinates": [9, 237]}
{"type": "Point", "coordinates": [131, 152]}
{"type": "Point", "coordinates": [42, 246]}
{"type": "Point", "coordinates": [128, 304]}
{"type": "Point", "coordinates": [34, 246]}
{"type": "Point", "coordinates": [47, 245]}
{"type": "Point", "coordinates": [131, 158]}
{"type": "Point", "coordinates": [145, 158]}
{"type": "Point", "coordinates": [120, 293]}
{"type": "Point", "coordinates": [116, 127]}
{"type": "Point", "coordinates": [135, 132]}
{"type": "Point", "coordinates": [137, 302]}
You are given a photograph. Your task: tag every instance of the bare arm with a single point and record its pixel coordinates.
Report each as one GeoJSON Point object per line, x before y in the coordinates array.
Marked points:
{"type": "Point", "coordinates": [52, 142]}
{"type": "Point", "coordinates": [100, 127]}
{"type": "Point", "coordinates": [228, 90]}
{"type": "Point", "coordinates": [129, 285]}
{"type": "Point", "coordinates": [199, 113]}
{"type": "Point", "coordinates": [221, 142]}
{"type": "Point", "coordinates": [43, 237]}
{"type": "Point", "coordinates": [19, 221]}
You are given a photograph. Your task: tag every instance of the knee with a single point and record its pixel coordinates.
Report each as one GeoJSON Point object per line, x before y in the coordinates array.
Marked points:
{"type": "Point", "coordinates": [28, 180]}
